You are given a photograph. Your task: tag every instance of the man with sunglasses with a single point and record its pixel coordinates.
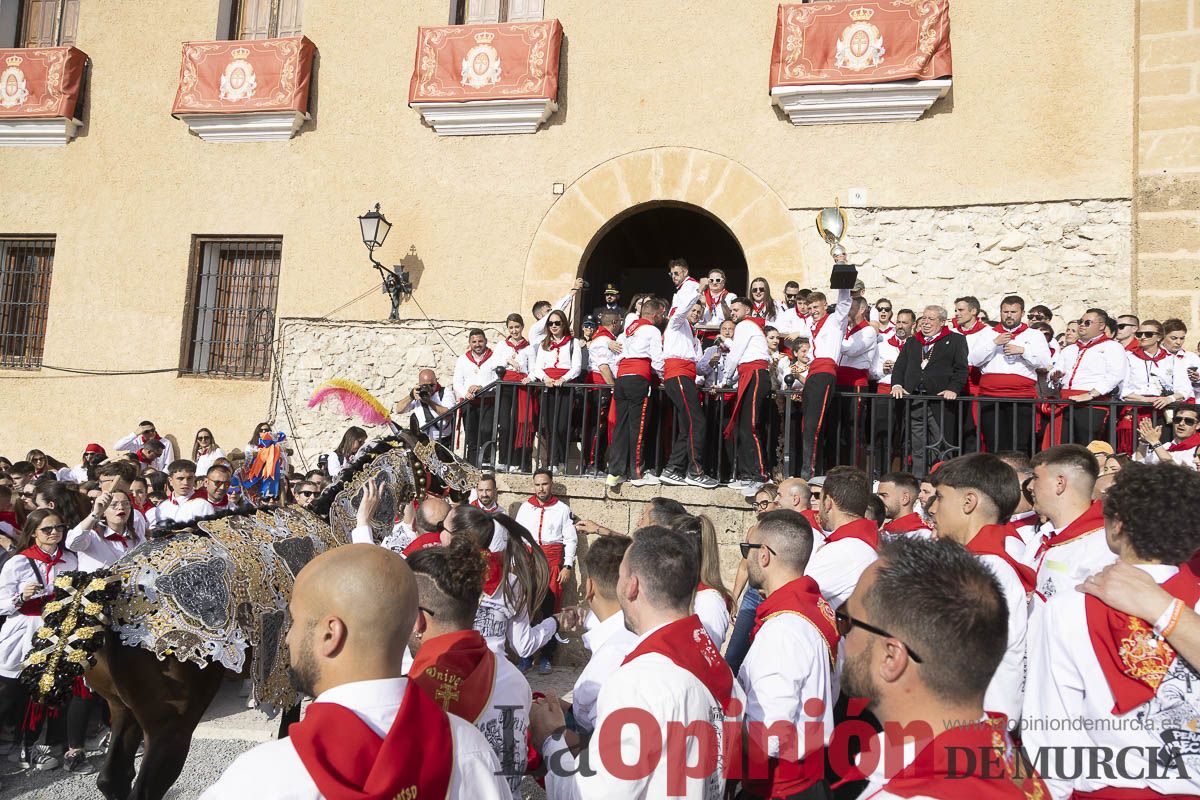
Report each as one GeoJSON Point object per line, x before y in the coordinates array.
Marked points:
{"type": "Point", "coordinates": [791, 661]}
{"type": "Point", "coordinates": [852, 542]}
{"type": "Point", "coordinates": [1126, 335]}
{"type": "Point", "coordinates": [716, 297]}
{"type": "Point", "coordinates": [145, 433]}
{"type": "Point", "coordinates": [973, 496]}
{"type": "Point", "coordinates": [1088, 370]}
{"type": "Point", "coordinates": [926, 658]}
{"type": "Point", "coordinates": [1185, 428]}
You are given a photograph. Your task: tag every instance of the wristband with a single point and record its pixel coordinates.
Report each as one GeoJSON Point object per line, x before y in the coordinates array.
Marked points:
{"type": "Point", "coordinates": [1164, 626]}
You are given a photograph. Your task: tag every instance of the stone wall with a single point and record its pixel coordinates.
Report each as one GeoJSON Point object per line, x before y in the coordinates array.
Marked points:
{"type": "Point", "coordinates": [1168, 164]}
{"type": "Point", "coordinates": [1067, 255]}
{"type": "Point", "coordinates": [383, 357]}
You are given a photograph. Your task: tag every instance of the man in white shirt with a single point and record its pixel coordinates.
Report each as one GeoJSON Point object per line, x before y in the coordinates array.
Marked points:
{"type": "Point", "coordinates": [1174, 334]}
{"type": "Point", "coordinates": [1091, 368]}
{"type": "Point", "coordinates": [599, 414]}
{"type": "Point", "coordinates": [922, 635]}
{"type": "Point", "coordinates": [474, 370]}
{"type": "Point", "coordinates": [352, 610]}
{"type": "Point", "coordinates": [886, 421]}
{"type": "Point", "coordinates": [748, 351]}
{"type": "Point", "coordinates": [452, 662]}
{"type": "Point", "coordinates": [899, 492]}
{"type": "Point", "coordinates": [608, 640]}
{"type": "Point", "coordinates": [716, 297]}
{"type": "Point", "coordinates": [641, 356]}
{"type": "Point", "coordinates": [184, 505]}
{"type": "Point", "coordinates": [789, 673]}
{"type": "Point", "coordinates": [146, 432]}
{"type": "Point", "coordinates": [550, 521]}
{"type": "Point", "coordinates": [973, 494]}
{"type": "Point", "coordinates": [1008, 357]}
{"type": "Point", "coordinates": [542, 308]}
{"type": "Point", "coordinates": [852, 542]}
{"type": "Point", "coordinates": [1113, 676]}
{"type": "Point", "coordinates": [1073, 546]}
{"type": "Point", "coordinates": [828, 333]}
{"type": "Point", "coordinates": [674, 680]}
{"type": "Point", "coordinates": [93, 456]}
{"type": "Point", "coordinates": [681, 351]}
{"type": "Point", "coordinates": [428, 401]}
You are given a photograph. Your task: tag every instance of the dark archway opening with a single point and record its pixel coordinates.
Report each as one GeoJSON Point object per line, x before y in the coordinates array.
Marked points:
{"type": "Point", "coordinates": [634, 250]}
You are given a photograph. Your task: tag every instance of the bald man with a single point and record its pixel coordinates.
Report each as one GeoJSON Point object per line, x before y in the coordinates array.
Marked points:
{"type": "Point", "coordinates": [795, 495]}
{"type": "Point", "coordinates": [429, 400]}
{"type": "Point", "coordinates": [352, 610]}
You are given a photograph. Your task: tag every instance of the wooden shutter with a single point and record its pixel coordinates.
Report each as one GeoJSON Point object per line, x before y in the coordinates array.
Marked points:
{"type": "Point", "coordinates": [291, 13]}
{"type": "Point", "coordinates": [483, 11]}
{"type": "Point", "coordinates": [254, 19]}
{"type": "Point", "coordinates": [526, 10]}
{"type": "Point", "coordinates": [70, 21]}
{"type": "Point", "coordinates": [39, 23]}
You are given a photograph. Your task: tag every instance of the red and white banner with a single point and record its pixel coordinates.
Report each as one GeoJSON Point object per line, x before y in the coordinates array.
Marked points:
{"type": "Point", "coordinates": [509, 61]}
{"type": "Point", "coordinates": [40, 82]}
{"type": "Point", "coordinates": [866, 41]}
{"type": "Point", "coordinates": [234, 76]}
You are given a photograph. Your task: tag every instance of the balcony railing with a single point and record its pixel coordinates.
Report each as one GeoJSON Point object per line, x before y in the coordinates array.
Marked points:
{"type": "Point", "coordinates": [41, 95]}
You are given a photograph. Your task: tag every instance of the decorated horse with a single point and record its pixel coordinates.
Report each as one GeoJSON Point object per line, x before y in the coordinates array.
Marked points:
{"type": "Point", "coordinates": [155, 633]}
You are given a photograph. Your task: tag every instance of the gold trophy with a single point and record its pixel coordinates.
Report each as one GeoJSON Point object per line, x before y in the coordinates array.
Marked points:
{"type": "Point", "coordinates": [831, 225]}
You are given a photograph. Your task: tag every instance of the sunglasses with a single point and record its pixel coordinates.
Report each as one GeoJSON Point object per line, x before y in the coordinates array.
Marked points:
{"type": "Point", "coordinates": [746, 547]}
{"type": "Point", "coordinates": [716, 280]}
{"type": "Point", "coordinates": [758, 288]}
{"type": "Point", "coordinates": [554, 324]}
{"type": "Point", "coordinates": [1145, 334]}
{"type": "Point", "coordinates": [1127, 325]}
{"type": "Point", "coordinates": [883, 308]}
{"type": "Point", "coordinates": [29, 495]}
{"type": "Point", "coordinates": [1187, 421]}
{"type": "Point", "coordinates": [53, 529]}
{"type": "Point", "coordinates": [1036, 317]}
{"type": "Point", "coordinates": [845, 623]}
{"type": "Point", "coordinates": [203, 438]}
{"type": "Point", "coordinates": [790, 296]}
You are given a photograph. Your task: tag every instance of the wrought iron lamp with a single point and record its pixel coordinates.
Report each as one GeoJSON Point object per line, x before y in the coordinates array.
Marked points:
{"type": "Point", "coordinates": [397, 283]}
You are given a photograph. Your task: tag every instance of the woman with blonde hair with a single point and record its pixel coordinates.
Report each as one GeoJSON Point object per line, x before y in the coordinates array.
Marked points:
{"type": "Point", "coordinates": [712, 598]}
{"type": "Point", "coordinates": [205, 452]}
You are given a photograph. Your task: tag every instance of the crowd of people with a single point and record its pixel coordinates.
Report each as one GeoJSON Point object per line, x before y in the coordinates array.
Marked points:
{"type": "Point", "coordinates": [1006, 626]}
{"type": "Point", "coordinates": [693, 390]}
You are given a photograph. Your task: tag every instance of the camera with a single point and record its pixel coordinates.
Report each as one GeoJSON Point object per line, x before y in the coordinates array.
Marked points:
{"type": "Point", "coordinates": [425, 391]}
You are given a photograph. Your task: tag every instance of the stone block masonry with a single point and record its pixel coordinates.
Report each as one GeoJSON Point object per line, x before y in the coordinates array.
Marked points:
{"type": "Point", "coordinates": [1068, 255]}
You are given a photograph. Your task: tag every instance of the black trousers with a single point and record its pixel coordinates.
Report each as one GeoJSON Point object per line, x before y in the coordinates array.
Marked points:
{"type": "Point", "coordinates": [626, 455]}
{"type": "Point", "coordinates": [478, 420]}
{"type": "Point", "coordinates": [1086, 423]}
{"type": "Point", "coordinates": [751, 427]}
{"type": "Point", "coordinates": [818, 406]}
{"type": "Point", "coordinates": [65, 725]}
{"type": "Point", "coordinates": [933, 433]}
{"type": "Point", "coordinates": [720, 455]}
{"type": "Point", "coordinates": [554, 421]}
{"type": "Point", "coordinates": [512, 450]}
{"type": "Point", "coordinates": [886, 425]}
{"type": "Point", "coordinates": [1007, 425]}
{"type": "Point", "coordinates": [595, 426]}
{"type": "Point", "coordinates": [687, 447]}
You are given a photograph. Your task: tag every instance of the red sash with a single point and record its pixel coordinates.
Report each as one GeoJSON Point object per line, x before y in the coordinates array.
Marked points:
{"type": "Point", "coordinates": [554, 373]}
{"type": "Point", "coordinates": [745, 372]}
{"type": "Point", "coordinates": [822, 364]}
{"type": "Point", "coordinates": [1053, 433]}
{"type": "Point", "coordinates": [937, 771]}
{"type": "Point", "coordinates": [1083, 348]}
{"type": "Point", "coordinates": [909, 523]}
{"type": "Point", "coordinates": [801, 597]}
{"type": "Point", "coordinates": [554, 560]}
{"type": "Point", "coordinates": [495, 571]}
{"type": "Point", "coordinates": [1088, 521]}
{"type": "Point", "coordinates": [679, 368]}
{"type": "Point", "coordinates": [422, 542]}
{"type": "Point", "coordinates": [686, 644]}
{"type": "Point", "coordinates": [990, 542]}
{"type": "Point", "coordinates": [458, 671]}
{"type": "Point", "coordinates": [851, 376]}
{"type": "Point", "coordinates": [883, 388]}
{"type": "Point", "coordinates": [634, 366]}
{"type": "Point", "coordinates": [862, 529]}
{"type": "Point", "coordinates": [1133, 659]}
{"type": "Point", "coordinates": [1000, 384]}
{"type": "Point", "coordinates": [348, 761]}
{"type": "Point", "coordinates": [525, 410]}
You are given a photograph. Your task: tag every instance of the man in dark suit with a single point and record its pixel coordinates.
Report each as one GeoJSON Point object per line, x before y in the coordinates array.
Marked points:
{"type": "Point", "coordinates": [612, 302]}
{"type": "Point", "coordinates": [932, 362]}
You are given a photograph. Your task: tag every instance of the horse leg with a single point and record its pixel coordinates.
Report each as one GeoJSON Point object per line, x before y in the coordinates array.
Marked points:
{"type": "Point", "coordinates": [169, 722]}
{"type": "Point", "coordinates": [116, 776]}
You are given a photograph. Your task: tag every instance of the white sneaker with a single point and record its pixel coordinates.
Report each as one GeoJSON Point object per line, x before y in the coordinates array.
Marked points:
{"type": "Point", "coordinates": [673, 478]}
{"type": "Point", "coordinates": [703, 481]}
{"type": "Point", "coordinates": [649, 479]}
{"type": "Point", "coordinates": [752, 488]}
{"type": "Point", "coordinates": [738, 484]}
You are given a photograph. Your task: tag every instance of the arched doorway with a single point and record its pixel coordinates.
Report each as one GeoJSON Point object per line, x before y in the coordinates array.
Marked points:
{"type": "Point", "coordinates": [632, 251]}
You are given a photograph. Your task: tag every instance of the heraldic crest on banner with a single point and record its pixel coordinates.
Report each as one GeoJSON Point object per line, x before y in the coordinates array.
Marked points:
{"type": "Point", "coordinates": [238, 81]}
{"type": "Point", "coordinates": [861, 44]}
{"type": "Point", "coordinates": [481, 65]}
{"type": "Point", "coordinates": [13, 88]}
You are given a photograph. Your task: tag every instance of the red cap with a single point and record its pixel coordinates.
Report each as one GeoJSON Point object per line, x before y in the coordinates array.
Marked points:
{"type": "Point", "coordinates": [95, 448]}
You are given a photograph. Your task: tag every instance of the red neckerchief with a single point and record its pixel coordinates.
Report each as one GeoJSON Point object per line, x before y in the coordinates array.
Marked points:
{"type": "Point", "coordinates": [1082, 349]}
{"type": "Point", "coordinates": [1134, 660]}
{"type": "Point", "coordinates": [801, 597]}
{"type": "Point", "coordinates": [937, 770]}
{"type": "Point", "coordinates": [486, 355]}
{"type": "Point", "coordinates": [990, 542]}
{"type": "Point", "coordinates": [1140, 353]}
{"type": "Point", "coordinates": [851, 331]}
{"type": "Point", "coordinates": [518, 347]}
{"type": "Point", "coordinates": [1185, 444]}
{"type": "Point", "coordinates": [633, 326]}
{"type": "Point", "coordinates": [495, 507]}
{"type": "Point", "coordinates": [976, 328]}
{"type": "Point", "coordinates": [1014, 333]}
{"type": "Point", "coordinates": [689, 647]}
{"type": "Point", "coordinates": [538, 504]}
{"type": "Point", "coordinates": [1133, 346]}
{"type": "Point", "coordinates": [909, 523]}
{"type": "Point", "coordinates": [942, 334]}
{"type": "Point", "coordinates": [458, 671]}
{"type": "Point", "coordinates": [758, 309]}
{"type": "Point", "coordinates": [560, 344]}
{"type": "Point", "coordinates": [602, 333]}
{"type": "Point", "coordinates": [421, 542]}
{"type": "Point", "coordinates": [862, 529]}
{"type": "Point", "coordinates": [117, 537]}
{"type": "Point", "coordinates": [38, 554]}
{"type": "Point", "coordinates": [1088, 521]}
{"type": "Point", "coordinates": [894, 342]}
{"type": "Point", "coordinates": [759, 321]}
{"type": "Point", "coordinates": [348, 761]}
{"type": "Point", "coordinates": [889, 329]}
{"type": "Point", "coordinates": [817, 330]}
{"type": "Point", "coordinates": [34, 605]}
{"type": "Point", "coordinates": [710, 301]}
{"type": "Point", "coordinates": [495, 571]}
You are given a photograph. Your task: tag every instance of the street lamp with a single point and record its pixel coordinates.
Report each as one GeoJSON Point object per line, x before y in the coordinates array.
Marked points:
{"type": "Point", "coordinates": [396, 281]}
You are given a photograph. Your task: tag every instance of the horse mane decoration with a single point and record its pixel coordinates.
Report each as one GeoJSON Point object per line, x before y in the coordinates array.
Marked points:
{"type": "Point", "coordinates": [205, 591]}
{"type": "Point", "coordinates": [355, 400]}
